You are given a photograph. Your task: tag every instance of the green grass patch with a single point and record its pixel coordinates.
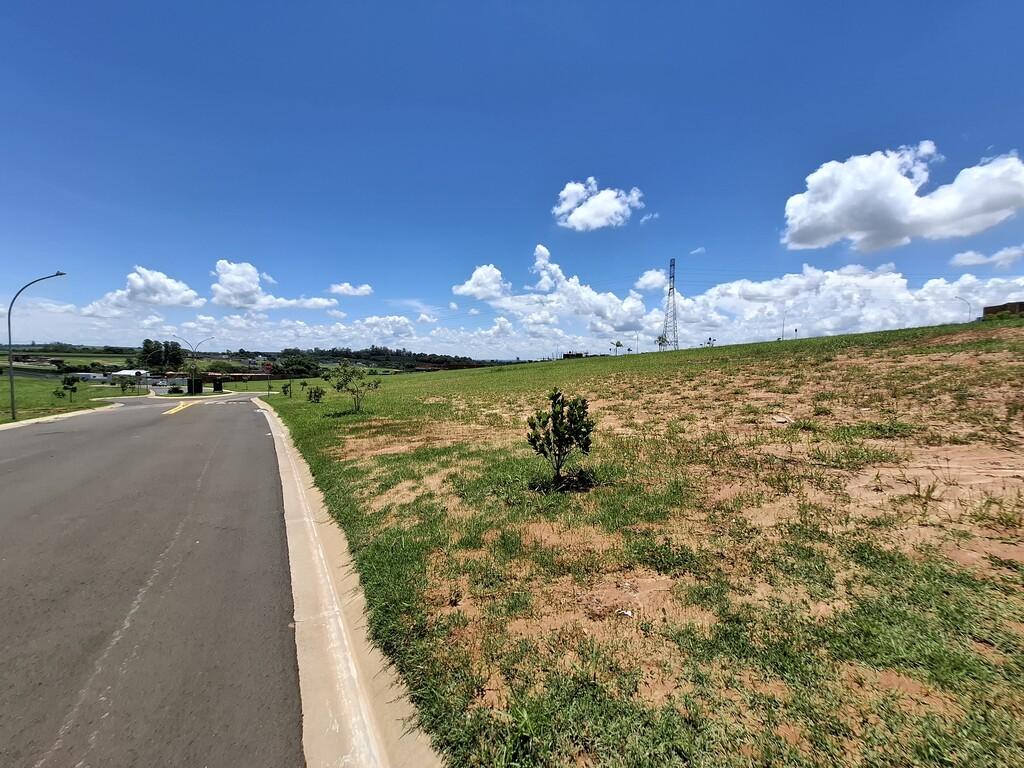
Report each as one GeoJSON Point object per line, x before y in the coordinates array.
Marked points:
{"type": "Point", "coordinates": [35, 398]}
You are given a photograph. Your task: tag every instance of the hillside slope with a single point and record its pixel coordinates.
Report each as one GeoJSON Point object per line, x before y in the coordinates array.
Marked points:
{"type": "Point", "coordinates": [790, 553]}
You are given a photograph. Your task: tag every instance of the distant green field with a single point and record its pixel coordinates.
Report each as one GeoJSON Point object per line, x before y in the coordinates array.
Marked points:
{"type": "Point", "coordinates": [34, 397]}
{"type": "Point", "coordinates": [76, 357]}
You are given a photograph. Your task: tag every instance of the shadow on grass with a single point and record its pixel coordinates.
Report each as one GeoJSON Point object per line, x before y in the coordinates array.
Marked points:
{"type": "Point", "coordinates": [576, 481]}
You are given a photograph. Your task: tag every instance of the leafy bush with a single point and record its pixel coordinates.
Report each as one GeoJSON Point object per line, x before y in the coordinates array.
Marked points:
{"type": "Point", "coordinates": [562, 431]}
{"type": "Point", "coordinates": [315, 394]}
{"type": "Point", "coordinates": [175, 390]}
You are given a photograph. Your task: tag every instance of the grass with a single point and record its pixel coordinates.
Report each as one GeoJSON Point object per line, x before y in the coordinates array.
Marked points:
{"type": "Point", "coordinates": [792, 553]}
{"type": "Point", "coordinates": [35, 397]}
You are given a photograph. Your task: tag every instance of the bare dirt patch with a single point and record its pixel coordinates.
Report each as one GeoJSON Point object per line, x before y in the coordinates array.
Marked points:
{"type": "Point", "coordinates": [407, 438]}
{"type": "Point", "coordinates": [952, 497]}
{"type": "Point", "coordinates": [576, 538]}
{"type": "Point", "coordinates": [961, 337]}
{"type": "Point", "coordinates": [912, 694]}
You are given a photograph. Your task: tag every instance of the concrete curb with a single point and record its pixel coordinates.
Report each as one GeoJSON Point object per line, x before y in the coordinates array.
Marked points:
{"type": "Point", "coordinates": [179, 398]}
{"type": "Point", "coordinates": [59, 416]}
{"type": "Point", "coordinates": [355, 710]}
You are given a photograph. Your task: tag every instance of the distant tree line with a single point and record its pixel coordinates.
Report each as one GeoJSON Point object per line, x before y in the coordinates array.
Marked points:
{"type": "Point", "coordinates": [60, 346]}
{"type": "Point", "coordinates": [385, 357]}
{"type": "Point", "coordinates": [158, 356]}
{"type": "Point", "coordinates": [163, 356]}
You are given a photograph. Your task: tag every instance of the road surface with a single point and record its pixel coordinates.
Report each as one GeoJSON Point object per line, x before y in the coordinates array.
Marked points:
{"type": "Point", "coordinates": [145, 591]}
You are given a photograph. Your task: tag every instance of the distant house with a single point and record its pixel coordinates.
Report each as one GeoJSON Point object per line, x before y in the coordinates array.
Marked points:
{"type": "Point", "coordinates": [1010, 308]}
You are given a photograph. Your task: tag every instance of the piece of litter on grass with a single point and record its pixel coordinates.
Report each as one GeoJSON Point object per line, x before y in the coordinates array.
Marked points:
{"type": "Point", "coordinates": [624, 612]}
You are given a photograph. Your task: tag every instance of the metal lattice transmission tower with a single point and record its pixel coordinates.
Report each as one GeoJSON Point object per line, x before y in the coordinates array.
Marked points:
{"type": "Point", "coordinates": [670, 335]}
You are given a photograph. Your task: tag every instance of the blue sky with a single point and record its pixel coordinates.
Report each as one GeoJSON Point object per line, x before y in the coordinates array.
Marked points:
{"type": "Point", "coordinates": [404, 146]}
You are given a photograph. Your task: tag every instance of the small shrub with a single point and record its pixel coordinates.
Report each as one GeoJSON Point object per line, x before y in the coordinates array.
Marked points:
{"type": "Point", "coordinates": [175, 390]}
{"type": "Point", "coordinates": [315, 394]}
{"type": "Point", "coordinates": [352, 380]}
{"type": "Point", "coordinates": [70, 385]}
{"type": "Point", "coordinates": [560, 432]}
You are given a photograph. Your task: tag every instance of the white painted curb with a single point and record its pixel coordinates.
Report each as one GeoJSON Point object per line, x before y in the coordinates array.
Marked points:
{"type": "Point", "coordinates": [59, 416]}
{"type": "Point", "coordinates": [355, 711]}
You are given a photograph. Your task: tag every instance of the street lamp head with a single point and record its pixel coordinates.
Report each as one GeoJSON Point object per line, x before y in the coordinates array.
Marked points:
{"type": "Point", "coordinates": [58, 273]}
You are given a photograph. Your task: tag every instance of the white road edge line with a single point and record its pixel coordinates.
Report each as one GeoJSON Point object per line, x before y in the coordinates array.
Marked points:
{"type": "Point", "coordinates": [354, 709]}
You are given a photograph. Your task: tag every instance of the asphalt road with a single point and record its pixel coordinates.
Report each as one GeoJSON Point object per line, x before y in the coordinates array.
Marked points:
{"type": "Point", "coordinates": [145, 598]}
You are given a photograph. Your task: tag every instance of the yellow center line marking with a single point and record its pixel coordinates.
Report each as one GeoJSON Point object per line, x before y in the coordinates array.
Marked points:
{"type": "Point", "coordinates": [180, 407]}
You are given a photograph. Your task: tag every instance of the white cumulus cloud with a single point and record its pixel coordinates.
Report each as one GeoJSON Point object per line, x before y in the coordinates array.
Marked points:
{"type": "Point", "coordinates": [651, 280]}
{"type": "Point", "coordinates": [386, 327]}
{"type": "Point", "coordinates": [485, 283]}
{"type": "Point", "coordinates": [583, 206]}
{"type": "Point", "coordinates": [560, 296]}
{"type": "Point", "coordinates": [239, 285]}
{"type": "Point", "coordinates": [347, 289]}
{"type": "Point", "coordinates": [826, 302]}
{"type": "Point", "coordinates": [425, 318]}
{"type": "Point", "coordinates": [874, 200]}
{"type": "Point", "coordinates": [144, 286]}
{"type": "Point", "coordinates": [1003, 258]}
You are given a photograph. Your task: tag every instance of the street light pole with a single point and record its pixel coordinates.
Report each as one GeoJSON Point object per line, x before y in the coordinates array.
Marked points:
{"type": "Point", "coordinates": [10, 341]}
{"type": "Point", "coordinates": [193, 347]}
{"type": "Point", "coordinates": [970, 314]}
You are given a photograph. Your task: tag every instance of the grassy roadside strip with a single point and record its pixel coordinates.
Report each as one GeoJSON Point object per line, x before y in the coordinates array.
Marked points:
{"type": "Point", "coordinates": [35, 397]}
